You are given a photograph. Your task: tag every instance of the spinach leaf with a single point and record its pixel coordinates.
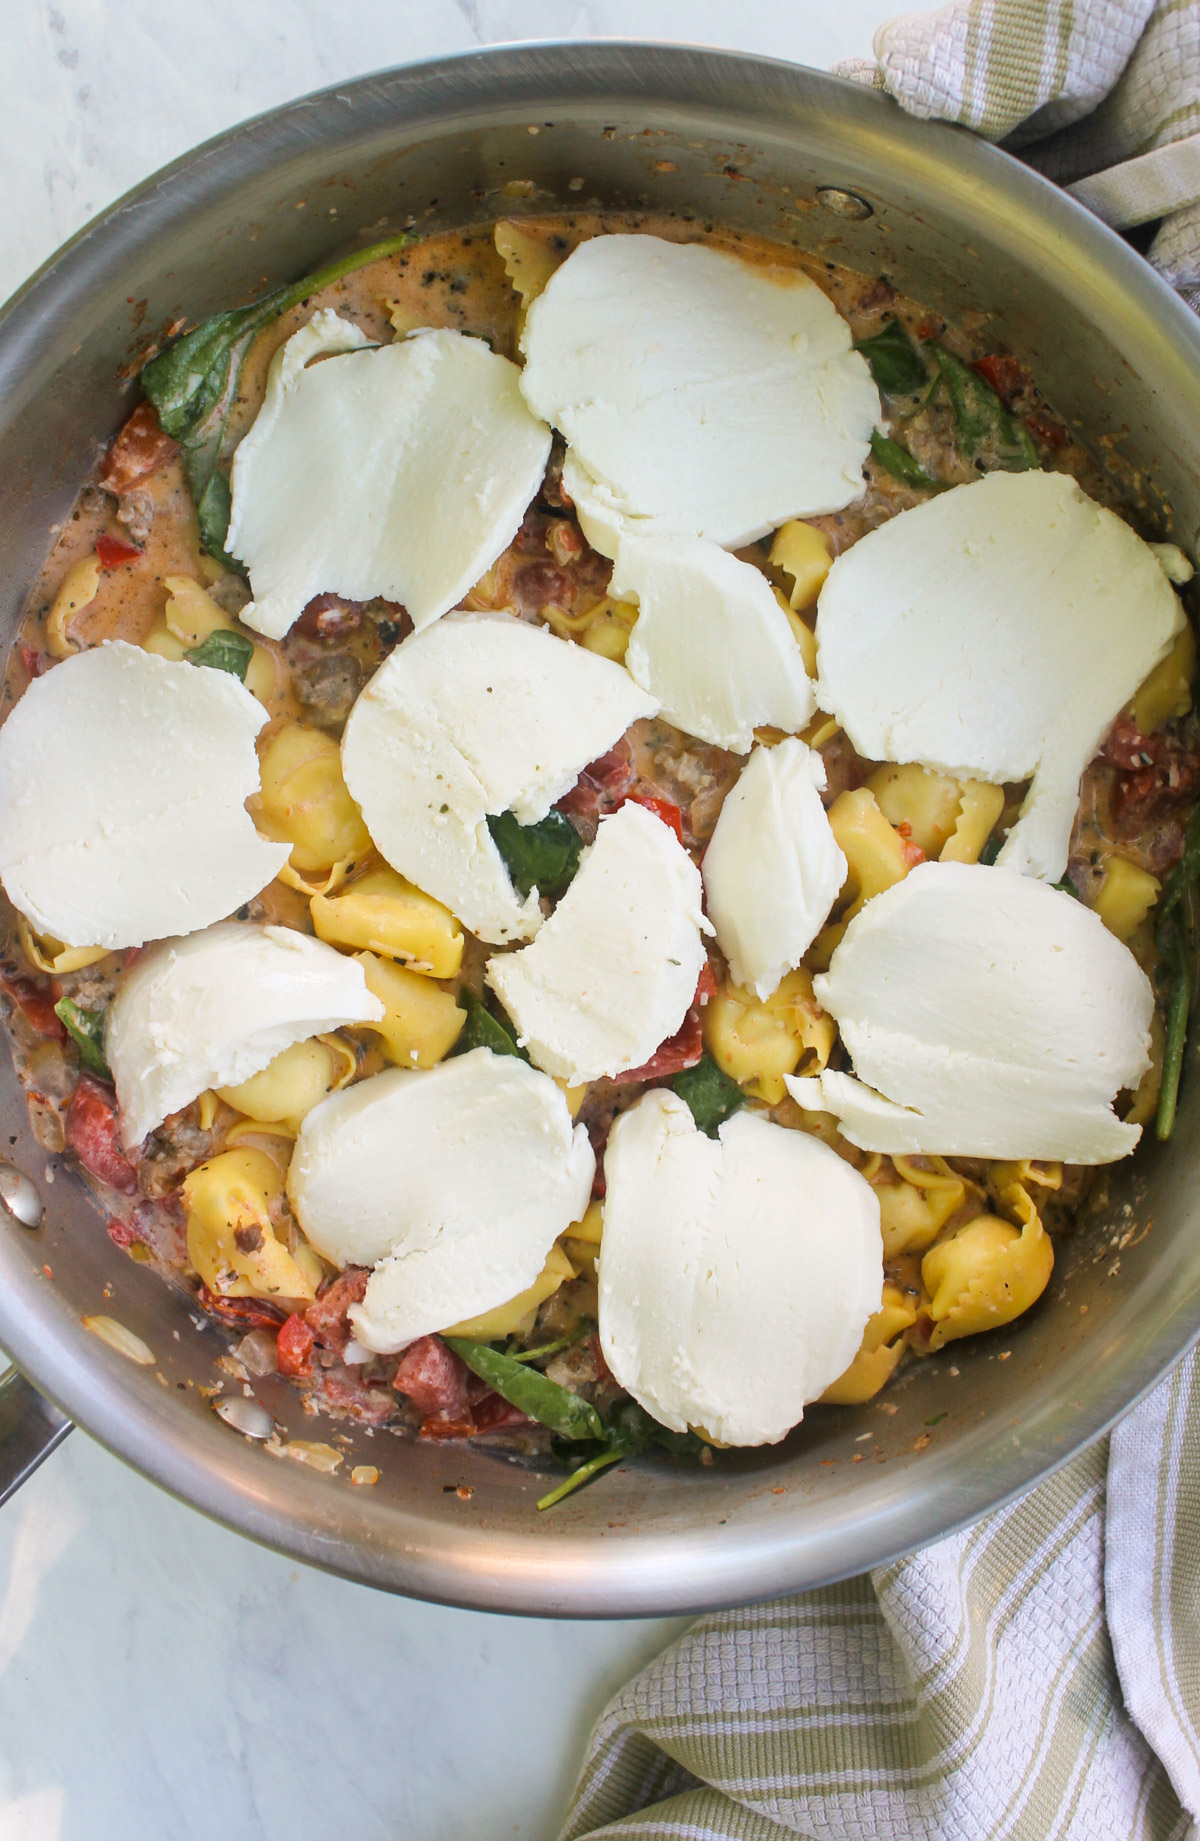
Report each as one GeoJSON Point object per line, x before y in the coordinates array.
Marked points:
{"type": "Point", "coordinates": [544, 856]}
{"type": "Point", "coordinates": [86, 1030]}
{"type": "Point", "coordinates": [529, 1391]}
{"type": "Point", "coordinates": [224, 651]}
{"type": "Point", "coordinates": [991, 851]}
{"type": "Point", "coordinates": [193, 384]}
{"type": "Point", "coordinates": [1175, 931]}
{"type": "Point", "coordinates": [711, 1094]}
{"type": "Point", "coordinates": [630, 1429]}
{"type": "Point", "coordinates": [897, 461]}
{"type": "Point", "coordinates": [585, 1472]}
{"type": "Point", "coordinates": [896, 363]}
{"type": "Point", "coordinates": [553, 1348]}
{"type": "Point", "coordinates": [483, 1030]}
{"type": "Point", "coordinates": [981, 419]}
{"type": "Point", "coordinates": [1066, 887]}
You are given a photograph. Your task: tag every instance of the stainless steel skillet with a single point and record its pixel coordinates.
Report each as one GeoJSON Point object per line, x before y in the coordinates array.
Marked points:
{"type": "Point", "coordinates": [797, 156]}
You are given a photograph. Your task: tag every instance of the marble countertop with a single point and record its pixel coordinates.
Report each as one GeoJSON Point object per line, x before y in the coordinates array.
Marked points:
{"type": "Point", "coordinates": [160, 1678]}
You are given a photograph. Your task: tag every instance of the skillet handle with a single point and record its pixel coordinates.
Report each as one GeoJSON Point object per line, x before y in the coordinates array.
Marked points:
{"type": "Point", "coordinates": [30, 1428]}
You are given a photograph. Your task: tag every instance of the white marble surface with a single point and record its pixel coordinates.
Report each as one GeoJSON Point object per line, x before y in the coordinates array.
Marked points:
{"type": "Point", "coordinates": [161, 1679]}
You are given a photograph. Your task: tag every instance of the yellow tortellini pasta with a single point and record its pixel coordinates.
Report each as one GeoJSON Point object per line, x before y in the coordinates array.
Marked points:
{"type": "Point", "coordinates": [803, 635]}
{"type": "Point", "coordinates": [290, 1086]}
{"type": "Point", "coordinates": [949, 819]}
{"type": "Point", "coordinates": [1145, 1100]}
{"type": "Point", "coordinates": [978, 815]}
{"type": "Point", "coordinates": [529, 259]}
{"type": "Point", "coordinates": [517, 1316]}
{"type": "Point", "coordinates": [1167, 692]}
{"type": "Point", "coordinates": [804, 553]}
{"type": "Point", "coordinates": [230, 1239]}
{"type": "Point", "coordinates": [388, 915]}
{"type": "Point", "coordinates": [190, 617]}
{"type": "Point", "coordinates": [756, 1041]}
{"type": "Point", "coordinates": [582, 1239]}
{"type": "Point", "coordinates": [305, 802]}
{"type": "Point", "coordinates": [80, 586]}
{"type": "Point", "coordinates": [988, 1272]}
{"type": "Point", "coordinates": [914, 1210]}
{"type": "Point", "coordinates": [50, 955]}
{"type": "Point", "coordinates": [876, 857]}
{"type": "Point", "coordinates": [882, 1347]}
{"type": "Point", "coordinates": [421, 1022]}
{"type": "Point", "coordinates": [604, 628]}
{"type": "Point", "coordinates": [1126, 896]}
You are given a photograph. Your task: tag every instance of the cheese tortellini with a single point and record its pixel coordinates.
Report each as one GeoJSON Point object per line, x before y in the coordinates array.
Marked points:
{"type": "Point", "coordinates": [877, 1359]}
{"type": "Point", "coordinates": [231, 1240]}
{"type": "Point", "coordinates": [914, 1210]}
{"type": "Point", "coordinates": [190, 617]}
{"type": "Point", "coordinates": [421, 1022]}
{"type": "Point", "coordinates": [989, 1271]}
{"type": "Point", "coordinates": [383, 913]}
{"type": "Point", "coordinates": [288, 1088]}
{"type": "Point", "coordinates": [305, 802]}
{"type": "Point", "coordinates": [757, 1041]}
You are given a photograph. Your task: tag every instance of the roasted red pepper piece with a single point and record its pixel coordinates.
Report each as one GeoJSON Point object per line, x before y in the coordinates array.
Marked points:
{"type": "Point", "coordinates": [326, 1315]}
{"type": "Point", "coordinates": [496, 1414]}
{"type": "Point", "coordinates": [36, 1004]}
{"type": "Point", "coordinates": [295, 1346]}
{"type": "Point", "coordinates": [113, 551]}
{"type": "Point", "coordinates": [91, 1132]}
{"type": "Point", "coordinates": [666, 809]}
{"type": "Point", "coordinates": [139, 450]}
{"type": "Point", "coordinates": [685, 1047]}
{"type": "Point", "coordinates": [602, 785]}
{"type": "Point", "coordinates": [1046, 429]}
{"type": "Point", "coordinates": [241, 1313]}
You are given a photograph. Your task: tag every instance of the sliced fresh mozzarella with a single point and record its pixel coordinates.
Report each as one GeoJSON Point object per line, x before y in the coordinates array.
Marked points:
{"type": "Point", "coordinates": [478, 715]}
{"type": "Point", "coordinates": [400, 470]}
{"type": "Point", "coordinates": [701, 395]}
{"type": "Point", "coordinates": [987, 1015]}
{"type": "Point", "coordinates": [711, 643]}
{"type": "Point", "coordinates": [773, 868]}
{"type": "Point", "coordinates": [736, 1274]}
{"type": "Point", "coordinates": [611, 974]}
{"type": "Point", "coordinates": [454, 1183]}
{"type": "Point", "coordinates": [123, 782]}
{"type": "Point", "coordinates": [214, 1008]}
{"type": "Point", "coordinates": [995, 633]}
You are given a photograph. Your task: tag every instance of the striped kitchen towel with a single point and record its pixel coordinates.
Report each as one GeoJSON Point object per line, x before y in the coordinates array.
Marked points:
{"type": "Point", "coordinates": [1038, 1675]}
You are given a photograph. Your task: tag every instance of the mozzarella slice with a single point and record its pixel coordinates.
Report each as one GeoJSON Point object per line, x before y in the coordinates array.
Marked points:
{"type": "Point", "coordinates": [995, 633]}
{"type": "Point", "coordinates": [400, 470]}
{"type": "Point", "coordinates": [613, 971]}
{"type": "Point", "coordinates": [711, 643]}
{"type": "Point", "coordinates": [123, 782]}
{"type": "Point", "coordinates": [701, 395]}
{"type": "Point", "coordinates": [773, 868]}
{"type": "Point", "coordinates": [214, 1008]}
{"type": "Point", "coordinates": [477, 715]}
{"type": "Point", "coordinates": [987, 1015]}
{"type": "Point", "coordinates": [454, 1183]}
{"type": "Point", "coordinates": [736, 1274]}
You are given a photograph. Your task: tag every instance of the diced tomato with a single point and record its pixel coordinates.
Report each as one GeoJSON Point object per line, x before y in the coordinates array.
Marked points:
{"type": "Point", "coordinates": [113, 551]}
{"type": "Point", "coordinates": [602, 785]}
{"type": "Point", "coordinates": [706, 985]}
{"type": "Point", "coordinates": [139, 450]}
{"type": "Point", "coordinates": [666, 809]}
{"type": "Point", "coordinates": [241, 1313]}
{"type": "Point", "coordinates": [123, 1234]}
{"type": "Point", "coordinates": [1127, 748]}
{"type": "Point", "coordinates": [35, 662]}
{"type": "Point", "coordinates": [682, 1050]}
{"type": "Point", "coordinates": [91, 1132]}
{"type": "Point", "coordinates": [1046, 429]}
{"type": "Point", "coordinates": [295, 1346]}
{"type": "Point", "coordinates": [36, 1004]}
{"type": "Point", "coordinates": [326, 1315]}
{"type": "Point", "coordinates": [1006, 374]}
{"type": "Point", "coordinates": [913, 854]}
{"type": "Point", "coordinates": [434, 1379]}
{"type": "Point", "coordinates": [496, 1414]}
{"type": "Point", "coordinates": [603, 1371]}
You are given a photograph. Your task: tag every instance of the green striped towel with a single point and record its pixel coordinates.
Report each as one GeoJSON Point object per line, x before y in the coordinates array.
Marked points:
{"type": "Point", "coordinates": [1037, 1676]}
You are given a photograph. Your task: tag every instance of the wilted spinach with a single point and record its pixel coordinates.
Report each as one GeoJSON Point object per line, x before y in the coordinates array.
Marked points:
{"type": "Point", "coordinates": [483, 1030]}
{"type": "Point", "coordinates": [897, 461]}
{"type": "Point", "coordinates": [712, 1096]}
{"type": "Point", "coordinates": [980, 417]}
{"type": "Point", "coordinates": [224, 651]}
{"type": "Point", "coordinates": [86, 1030]}
{"type": "Point", "coordinates": [544, 855]}
{"type": "Point", "coordinates": [896, 363]}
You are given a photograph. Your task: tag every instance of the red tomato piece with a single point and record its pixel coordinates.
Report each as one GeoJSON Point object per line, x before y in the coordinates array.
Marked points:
{"type": "Point", "coordinates": [1046, 429]}
{"type": "Point", "coordinates": [240, 1313]}
{"type": "Point", "coordinates": [706, 984]}
{"type": "Point", "coordinates": [139, 450]}
{"type": "Point", "coordinates": [295, 1345]}
{"type": "Point", "coordinates": [439, 1425]}
{"type": "Point", "coordinates": [434, 1380]}
{"type": "Point", "coordinates": [666, 809]}
{"type": "Point", "coordinates": [602, 785]}
{"type": "Point", "coordinates": [36, 1004]}
{"type": "Point", "coordinates": [1006, 375]}
{"type": "Point", "coordinates": [91, 1132]}
{"type": "Point", "coordinates": [35, 662]}
{"type": "Point", "coordinates": [113, 551]}
{"type": "Point", "coordinates": [682, 1050]}
{"type": "Point", "coordinates": [496, 1414]}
